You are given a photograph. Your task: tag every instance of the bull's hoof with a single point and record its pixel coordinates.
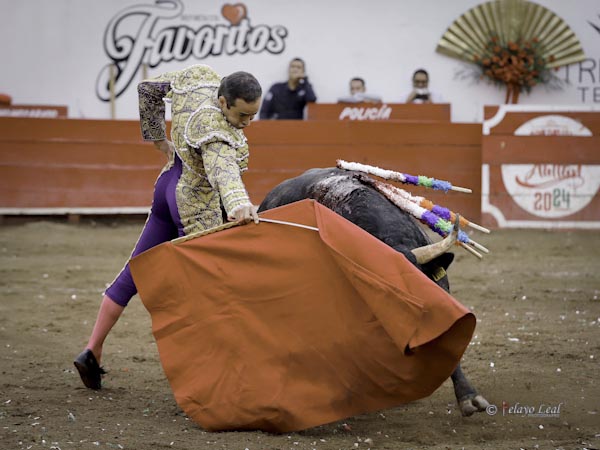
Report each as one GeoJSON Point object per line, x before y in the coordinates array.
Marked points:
{"type": "Point", "coordinates": [471, 405]}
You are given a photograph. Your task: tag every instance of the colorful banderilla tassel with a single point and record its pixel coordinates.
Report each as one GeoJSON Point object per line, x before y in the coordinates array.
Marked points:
{"type": "Point", "coordinates": [420, 180]}
{"type": "Point", "coordinates": [436, 217]}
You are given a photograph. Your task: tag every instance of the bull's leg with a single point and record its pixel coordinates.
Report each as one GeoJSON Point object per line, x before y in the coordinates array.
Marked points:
{"type": "Point", "coordinates": [469, 401]}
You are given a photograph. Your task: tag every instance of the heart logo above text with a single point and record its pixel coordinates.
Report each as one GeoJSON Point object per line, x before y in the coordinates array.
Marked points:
{"type": "Point", "coordinates": [234, 13]}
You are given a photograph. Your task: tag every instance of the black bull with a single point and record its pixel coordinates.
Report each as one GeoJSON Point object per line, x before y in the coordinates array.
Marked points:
{"type": "Point", "coordinates": [340, 191]}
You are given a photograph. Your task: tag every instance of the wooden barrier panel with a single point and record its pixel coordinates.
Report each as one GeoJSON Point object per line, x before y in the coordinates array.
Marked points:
{"type": "Point", "coordinates": [75, 166]}
{"type": "Point", "coordinates": [95, 166]}
{"type": "Point", "coordinates": [37, 111]}
{"type": "Point", "coordinates": [541, 167]}
{"type": "Point", "coordinates": [407, 112]}
{"type": "Point", "coordinates": [283, 149]}
{"type": "Point", "coordinates": [540, 120]}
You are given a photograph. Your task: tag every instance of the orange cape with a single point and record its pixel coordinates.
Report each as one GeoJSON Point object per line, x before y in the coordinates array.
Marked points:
{"type": "Point", "coordinates": [280, 328]}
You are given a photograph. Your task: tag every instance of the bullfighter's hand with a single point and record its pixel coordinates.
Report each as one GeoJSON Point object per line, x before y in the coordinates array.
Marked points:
{"type": "Point", "coordinates": [165, 146]}
{"type": "Point", "coordinates": [244, 214]}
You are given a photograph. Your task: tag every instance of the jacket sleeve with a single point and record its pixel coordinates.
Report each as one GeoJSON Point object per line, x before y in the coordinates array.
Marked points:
{"type": "Point", "coordinates": [266, 110]}
{"type": "Point", "coordinates": [310, 93]}
{"type": "Point", "coordinates": [152, 106]}
{"type": "Point", "coordinates": [223, 172]}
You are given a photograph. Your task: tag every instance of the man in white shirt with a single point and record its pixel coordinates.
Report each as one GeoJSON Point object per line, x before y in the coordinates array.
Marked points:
{"type": "Point", "coordinates": [358, 93]}
{"type": "Point", "coordinates": [421, 92]}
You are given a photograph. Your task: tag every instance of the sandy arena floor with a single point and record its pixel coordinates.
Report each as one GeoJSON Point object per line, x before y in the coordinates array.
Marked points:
{"type": "Point", "coordinates": [537, 345]}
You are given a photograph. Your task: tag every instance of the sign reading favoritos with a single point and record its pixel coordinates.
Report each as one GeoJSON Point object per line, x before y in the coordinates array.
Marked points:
{"type": "Point", "coordinates": [158, 33]}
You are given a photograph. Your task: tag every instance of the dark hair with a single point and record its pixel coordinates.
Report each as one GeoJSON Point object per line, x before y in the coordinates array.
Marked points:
{"type": "Point", "coordinates": [239, 85]}
{"type": "Point", "coordinates": [358, 79]}
{"type": "Point", "coordinates": [423, 71]}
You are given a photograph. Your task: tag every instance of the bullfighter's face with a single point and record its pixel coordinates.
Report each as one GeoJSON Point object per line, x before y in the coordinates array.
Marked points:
{"type": "Point", "coordinates": [240, 113]}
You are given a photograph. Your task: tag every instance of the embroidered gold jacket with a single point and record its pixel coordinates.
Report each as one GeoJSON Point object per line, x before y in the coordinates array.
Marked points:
{"type": "Point", "coordinates": [214, 153]}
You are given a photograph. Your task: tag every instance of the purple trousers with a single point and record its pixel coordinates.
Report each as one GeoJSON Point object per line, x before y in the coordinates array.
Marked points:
{"type": "Point", "coordinates": [163, 224]}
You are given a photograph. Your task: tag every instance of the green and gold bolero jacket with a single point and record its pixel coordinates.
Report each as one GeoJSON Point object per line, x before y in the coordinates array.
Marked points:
{"type": "Point", "coordinates": [213, 152]}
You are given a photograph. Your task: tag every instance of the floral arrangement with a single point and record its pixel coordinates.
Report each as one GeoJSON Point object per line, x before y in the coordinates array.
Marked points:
{"type": "Point", "coordinates": [513, 43]}
{"type": "Point", "coordinates": [518, 65]}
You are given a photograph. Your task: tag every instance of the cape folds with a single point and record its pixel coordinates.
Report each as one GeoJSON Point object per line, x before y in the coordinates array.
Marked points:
{"type": "Point", "coordinates": [280, 328]}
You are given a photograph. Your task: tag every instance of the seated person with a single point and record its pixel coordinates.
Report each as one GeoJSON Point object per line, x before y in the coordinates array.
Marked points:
{"type": "Point", "coordinates": [421, 92]}
{"type": "Point", "coordinates": [286, 100]}
{"type": "Point", "coordinates": [358, 93]}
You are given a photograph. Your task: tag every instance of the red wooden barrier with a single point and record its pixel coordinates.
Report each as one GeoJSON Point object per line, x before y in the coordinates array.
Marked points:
{"type": "Point", "coordinates": [37, 111]}
{"type": "Point", "coordinates": [434, 112]}
{"type": "Point", "coordinates": [103, 166]}
{"type": "Point", "coordinates": [541, 167]}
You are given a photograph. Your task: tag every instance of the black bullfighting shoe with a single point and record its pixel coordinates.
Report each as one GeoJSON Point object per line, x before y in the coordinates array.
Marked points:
{"type": "Point", "coordinates": [89, 369]}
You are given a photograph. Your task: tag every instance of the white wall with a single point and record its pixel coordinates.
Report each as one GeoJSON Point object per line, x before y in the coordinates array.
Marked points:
{"type": "Point", "coordinates": [52, 51]}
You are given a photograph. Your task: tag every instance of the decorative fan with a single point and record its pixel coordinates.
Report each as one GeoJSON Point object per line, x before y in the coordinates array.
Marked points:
{"type": "Point", "coordinates": [514, 42]}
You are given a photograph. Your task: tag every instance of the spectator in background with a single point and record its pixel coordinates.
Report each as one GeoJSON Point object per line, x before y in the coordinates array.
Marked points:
{"type": "Point", "coordinates": [287, 100]}
{"type": "Point", "coordinates": [358, 93]}
{"type": "Point", "coordinates": [421, 92]}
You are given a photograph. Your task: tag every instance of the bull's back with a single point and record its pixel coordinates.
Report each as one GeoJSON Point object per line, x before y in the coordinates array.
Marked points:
{"type": "Point", "coordinates": [341, 192]}
{"type": "Point", "coordinates": [294, 189]}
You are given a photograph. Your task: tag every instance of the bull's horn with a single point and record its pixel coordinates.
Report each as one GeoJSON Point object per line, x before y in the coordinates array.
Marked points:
{"type": "Point", "coordinates": [430, 252]}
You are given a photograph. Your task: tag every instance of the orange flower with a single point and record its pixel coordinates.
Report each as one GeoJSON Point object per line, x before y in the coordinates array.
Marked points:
{"type": "Point", "coordinates": [517, 63]}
